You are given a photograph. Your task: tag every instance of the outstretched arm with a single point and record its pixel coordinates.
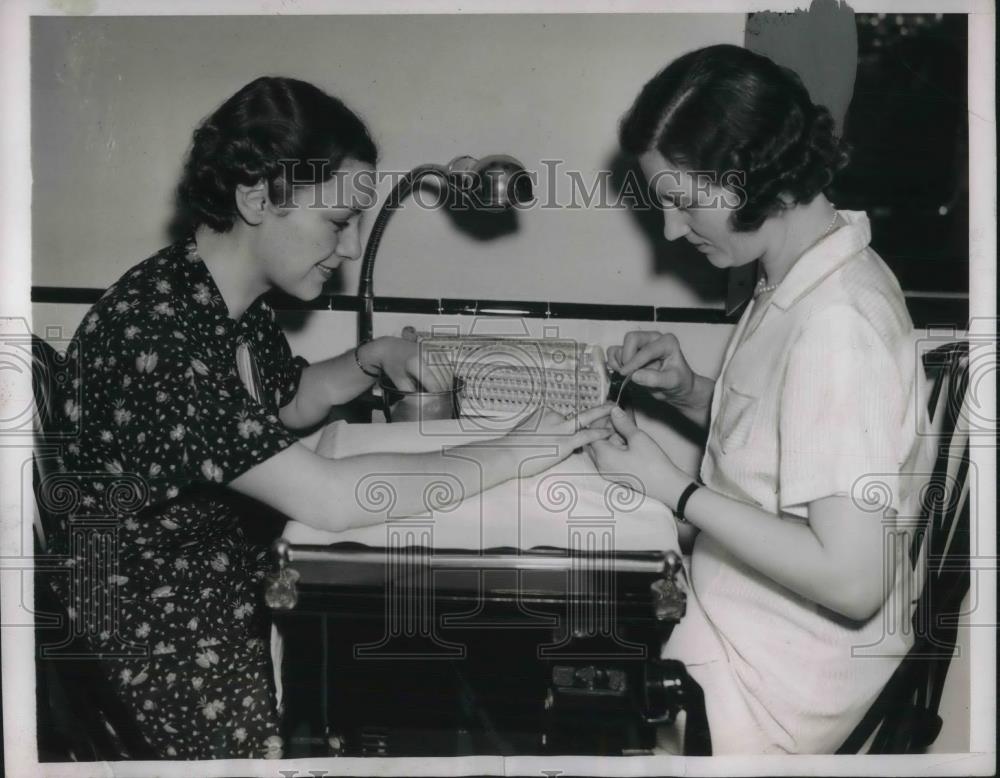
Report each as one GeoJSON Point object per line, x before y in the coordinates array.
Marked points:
{"type": "Point", "coordinates": [322, 493]}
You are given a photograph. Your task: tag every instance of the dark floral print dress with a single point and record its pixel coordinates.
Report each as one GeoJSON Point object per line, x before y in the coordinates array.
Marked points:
{"type": "Point", "coordinates": [164, 421]}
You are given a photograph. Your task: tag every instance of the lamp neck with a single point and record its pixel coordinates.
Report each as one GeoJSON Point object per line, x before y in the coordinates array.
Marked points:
{"type": "Point", "coordinates": [392, 203]}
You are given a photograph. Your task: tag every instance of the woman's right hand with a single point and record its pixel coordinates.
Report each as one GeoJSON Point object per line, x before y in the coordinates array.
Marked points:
{"type": "Point", "coordinates": [552, 437]}
{"type": "Point", "coordinates": [655, 361]}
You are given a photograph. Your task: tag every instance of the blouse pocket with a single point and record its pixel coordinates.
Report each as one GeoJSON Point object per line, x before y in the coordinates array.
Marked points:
{"type": "Point", "coordinates": [736, 419]}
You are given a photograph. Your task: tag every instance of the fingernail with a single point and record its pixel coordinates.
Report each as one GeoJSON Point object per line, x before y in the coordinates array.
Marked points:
{"type": "Point", "coordinates": [617, 412]}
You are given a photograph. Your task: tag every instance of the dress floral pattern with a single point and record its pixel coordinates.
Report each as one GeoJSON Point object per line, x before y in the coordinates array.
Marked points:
{"type": "Point", "coordinates": [160, 408]}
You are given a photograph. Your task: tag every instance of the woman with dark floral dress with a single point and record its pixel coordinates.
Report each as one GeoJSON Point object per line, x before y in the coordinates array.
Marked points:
{"type": "Point", "coordinates": [186, 415]}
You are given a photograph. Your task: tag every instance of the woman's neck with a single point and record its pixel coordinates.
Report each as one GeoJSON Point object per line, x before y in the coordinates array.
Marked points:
{"type": "Point", "coordinates": [228, 258]}
{"type": "Point", "coordinates": [796, 231]}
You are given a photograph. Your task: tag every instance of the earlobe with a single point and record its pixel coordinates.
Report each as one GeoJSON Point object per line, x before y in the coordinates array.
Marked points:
{"type": "Point", "coordinates": [251, 202]}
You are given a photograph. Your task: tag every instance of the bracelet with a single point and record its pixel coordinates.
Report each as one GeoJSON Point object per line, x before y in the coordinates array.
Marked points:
{"type": "Point", "coordinates": [361, 367]}
{"type": "Point", "coordinates": [682, 502]}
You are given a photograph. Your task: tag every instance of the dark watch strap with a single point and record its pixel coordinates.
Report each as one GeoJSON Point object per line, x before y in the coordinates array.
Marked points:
{"type": "Point", "coordinates": [682, 502]}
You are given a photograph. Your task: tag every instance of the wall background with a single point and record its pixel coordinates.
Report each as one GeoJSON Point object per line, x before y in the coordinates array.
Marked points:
{"type": "Point", "coordinates": [115, 101]}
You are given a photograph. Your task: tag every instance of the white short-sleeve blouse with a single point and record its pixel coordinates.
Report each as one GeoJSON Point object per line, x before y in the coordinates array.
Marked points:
{"type": "Point", "coordinates": [818, 396]}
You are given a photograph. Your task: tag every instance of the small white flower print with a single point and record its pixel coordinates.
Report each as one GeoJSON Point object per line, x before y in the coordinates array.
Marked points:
{"type": "Point", "coordinates": [181, 564]}
{"type": "Point", "coordinates": [72, 410]}
{"type": "Point", "coordinates": [125, 676]}
{"type": "Point", "coordinates": [154, 469]}
{"type": "Point", "coordinates": [127, 381]}
{"type": "Point", "coordinates": [172, 492]}
{"type": "Point", "coordinates": [221, 562]}
{"type": "Point", "coordinates": [247, 701]}
{"type": "Point", "coordinates": [122, 416]}
{"type": "Point", "coordinates": [148, 705]}
{"type": "Point", "coordinates": [240, 734]}
{"type": "Point", "coordinates": [243, 610]}
{"type": "Point", "coordinates": [91, 324]}
{"type": "Point", "coordinates": [89, 502]}
{"type": "Point", "coordinates": [220, 330]}
{"type": "Point", "coordinates": [162, 648]}
{"type": "Point", "coordinates": [171, 751]}
{"type": "Point", "coordinates": [171, 677]}
{"type": "Point", "coordinates": [249, 427]}
{"type": "Point", "coordinates": [122, 306]}
{"type": "Point", "coordinates": [163, 286]}
{"type": "Point", "coordinates": [197, 682]}
{"type": "Point", "coordinates": [206, 658]}
{"type": "Point", "coordinates": [193, 624]}
{"type": "Point", "coordinates": [161, 396]}
{"type": "Point", "coordinates": [164, 309]}
{"type": "Point", "coordinates": [169, 607]}
{"type": "Point", "coordinates": [131, 331]}
{"type": "Point", "coordinates": [211, 471]}
{"type": "Point", "coordinates": [106, 436]}
{"type": "Point", "coordinates": [114, 466]}
{"type": "Point", "coordinates": [131, 524]}
{"type": "Point", "coordinates": [212, 709]}
{"type": "Point", "coordinates": [142, 631]}
{"type": "Point", "coordinates": [99, 361]}
{"type": "Point", "coordinates": [141, 438]}
{"type": "Point", "coordinates": [202, 294]}
{"type": "Point", "coordinates": [177, 432]}
{"type": "Point", "coordinates": [146, 363]}
{"type": "Point", "coordinates": [274, 746]}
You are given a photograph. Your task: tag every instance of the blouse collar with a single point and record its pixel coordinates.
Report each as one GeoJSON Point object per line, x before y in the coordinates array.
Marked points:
{"type": "Point", "coordinates": [200, 273]}
{"type": "Point", "coordinates": [823, 259]}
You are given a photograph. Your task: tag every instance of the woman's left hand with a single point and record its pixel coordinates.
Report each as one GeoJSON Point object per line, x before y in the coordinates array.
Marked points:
{"type": "Point", "coordinates": [399, 359]}
{"type": "Point", "coordinates": [639, 457]}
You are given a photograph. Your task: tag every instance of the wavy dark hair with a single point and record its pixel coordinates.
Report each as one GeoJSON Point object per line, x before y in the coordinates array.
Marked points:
{"type": "Point", "coordinates": [722, 109]}
{"type": "Point", "coordinates": [260, 133]}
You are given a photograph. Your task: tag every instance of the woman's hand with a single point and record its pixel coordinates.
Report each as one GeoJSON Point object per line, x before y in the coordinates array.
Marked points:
{"type": "Point", "coordinates": [399, 360]}
{"type": "Point", "coordinates": [555, 437]}
{"type": "Point", "coordinates": [655, 361]}
{"type": "Point", "coordinates": [638, 458]}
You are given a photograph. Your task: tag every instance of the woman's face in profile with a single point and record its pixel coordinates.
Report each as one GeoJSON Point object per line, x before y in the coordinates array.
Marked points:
{"type": "Point", "coordinates": [301, 243]}
{"type": "Point", "coordinates": [698, 208]}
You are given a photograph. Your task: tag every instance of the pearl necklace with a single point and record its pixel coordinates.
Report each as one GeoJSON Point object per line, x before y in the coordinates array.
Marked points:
{"type": "Point", "coordinates": [763, 287]}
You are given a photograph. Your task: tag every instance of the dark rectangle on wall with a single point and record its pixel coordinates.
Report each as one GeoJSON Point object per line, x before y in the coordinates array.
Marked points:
{"type": "Point", "coordinates": [286, 302]}
{"type": "Point", "coordinates": [405, 305]}
{"type": "Point", "coordinates": [601, 311]}
{"type": "Point", "coordinates": [343, 302]}
{"type": "Point", "coordinates": [457, 307]}
{"type": "Point", "coordinates": [942, 312]}
{"type": "Point", "coordinates": [696, 315]}
{"type": "Point", "coordinates": [65, 295]}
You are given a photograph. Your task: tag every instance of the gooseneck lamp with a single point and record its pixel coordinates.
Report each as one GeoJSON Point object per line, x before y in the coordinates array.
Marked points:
{"type": "Point", "coordinates": [495, 182]}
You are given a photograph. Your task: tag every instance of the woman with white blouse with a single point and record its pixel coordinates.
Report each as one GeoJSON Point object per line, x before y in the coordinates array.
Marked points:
{"type": "Point", "coordinates": [799, 605]}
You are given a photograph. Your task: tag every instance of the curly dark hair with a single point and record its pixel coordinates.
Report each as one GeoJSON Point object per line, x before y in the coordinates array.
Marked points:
{"type": "Point", "coordinates": [273, 129]}
{"type": "Point", "coordinates": [724, 109]}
